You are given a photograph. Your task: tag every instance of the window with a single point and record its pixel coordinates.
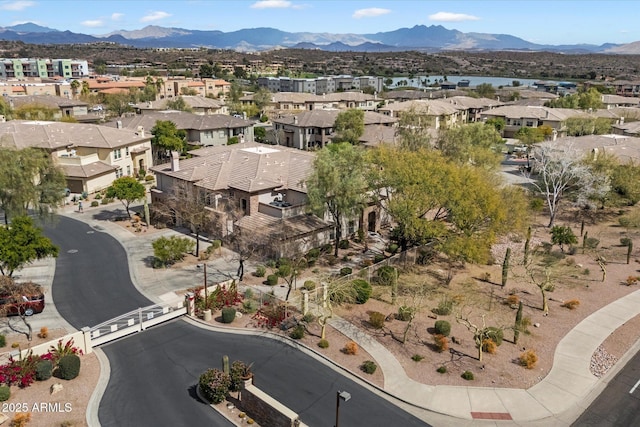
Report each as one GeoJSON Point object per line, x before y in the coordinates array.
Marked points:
{"type": "Point", "coordinates": [243, 205]}
{"type": "Point", "coordinates": [530, 123]}
{"type": "Point", "coordinates": [126, 151]}
{"type": "Point", "coordinates": [118, 172]}
{"type": "Point", "coordinates": [208, 134]}
{"type": "Point", "coordinates": [117, 154]}
{"type": "Point", "coordinates": [128, 170]}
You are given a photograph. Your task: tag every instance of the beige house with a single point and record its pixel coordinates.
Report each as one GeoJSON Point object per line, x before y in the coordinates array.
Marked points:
{"type": "Point", "coordinates": [443, 113]}
{"type": "Point", "coordinates": [64, 107]}
{"type": "Point", "coordinates": [198, 104]}
{"type": "Point", "coordinates": [91, 156]}
{"type": "Point", "coordinates": [264, 183]}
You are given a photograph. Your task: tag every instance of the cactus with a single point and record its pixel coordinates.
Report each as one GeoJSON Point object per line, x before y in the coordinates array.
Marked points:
{"type": "Point", "coordinates": [225, 364]}
{"type": "Point", "coordinates": [516, 329]}
{"type": "Point", "coordinates": [505, 267]}
{"type": "Point", "coordinates": [526, 246]}
{"type": "Point", "coordinates": [582, 227]}
{"type": "Point", "coordinates": [629, 250]}
{"type": "Point", "coordinates": [584, 240]}
{"type": "Point", "coordinates": [394, 286]}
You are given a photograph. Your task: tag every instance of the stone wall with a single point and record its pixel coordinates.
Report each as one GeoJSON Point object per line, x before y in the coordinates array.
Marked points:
{"type": "Point", "coordinates": [266, 410]}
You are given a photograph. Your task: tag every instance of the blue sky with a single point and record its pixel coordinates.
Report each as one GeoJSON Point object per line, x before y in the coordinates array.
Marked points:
{"type": "Point", "coordinates": [545, 22]}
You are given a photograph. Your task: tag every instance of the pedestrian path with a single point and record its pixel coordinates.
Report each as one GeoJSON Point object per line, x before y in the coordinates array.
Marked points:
{"type": "Point", "coordinates": [557, 400]}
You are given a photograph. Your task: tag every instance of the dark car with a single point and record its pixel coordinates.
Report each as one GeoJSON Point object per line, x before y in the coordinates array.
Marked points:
{"type": "Point", "coordinates": [26, 305]}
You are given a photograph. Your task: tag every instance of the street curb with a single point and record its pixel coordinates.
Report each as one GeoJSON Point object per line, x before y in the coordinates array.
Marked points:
{"type": "Point", "coordinates": [94, 402]}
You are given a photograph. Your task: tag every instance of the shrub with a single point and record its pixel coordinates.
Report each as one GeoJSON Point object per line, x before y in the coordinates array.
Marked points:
{"type": "Point", "coordinates": [417, 357]}
{"type": "Point", "coordinates": [313, 254]}
{"type": "Point", "coordinates": [21, 419]}
{"type": "Point", "coordinates": [405, 313]}
{"type": "Point", "coordinates": [445, 306]}
{"type": "Point", "coordinates": [495, 334]}
{"type": "Point", "coordinates": [60, 350]}
{"type": "Point", "coordinates": [528, 359]}
{"type": "Point", "coordinates": [171, 249]}
{"type": "Point", "coordinates": [95, 203]}
{"type": "Point", "coordinates": [148, 178]}
{"type": "Point", "coordinates": [392, 248]}
{"type": "Point", "coordinates": [368, 367]}
{"type": "Point", "coordinates": [272, 280]}
{"type": "Point", "coordinates": [344, 271]}
{"type": "Point", "coordinates": [5, 393]}
{"type": "Point", "coordinates": [343, 244]}
{"type": "Point", "coordinates": [326, 247]}
{"type": "Point", "coordinates": [512, 300]}
{"type": "Point", "coordinates": [3, 340]}
{"type": "Point", "coordinates": [386, 275]}
{"type": "Point", "coordinates": [442, 370]}
{"type": "Point", "coordinates": [376, 319]}
{"type": "Point", "coordinates": [351, 348]}
{"type": "Point", "coordinates": [363, 290]}
{"type": "Point", "coordinates": [631, 280]}
{"type": "Point", "coordinates": [572, 304]}
{"type": "Point", "coordinates": [308, 318]}
{"type": "Point", "coordinates": [591, 243]}
{"type": "Point", "coordinates": [261, 270]}
{"type": "Point", "coordinates": [297, 333]}
{"type": "Point", "coordinates": [228, 314]}
{"type": "Point", "coordinates": [489, 346]}
{"type": "Point", "coordinates": [214, 385]}
{"type": "Point", "coordinates": [441, 343]}
{"type": "Point", "coordinates": [249, 305]}
{"type": "Point", "coordinates": [467, 375]}
{"type": "Point", "coordinates": [378, 258]}
{"type": "Point", "coordinates": [442, 327]}
{"type": "Point", "coordinates": [68, 367]}
{"type": "Point", "coordinates": [44, 332]}
{"type": "Point", "coordinates": [44, 370]}
{"type": "Point", "coordinates": [323, 344]}
{"type": "Point", "coordinates": [309, 285]}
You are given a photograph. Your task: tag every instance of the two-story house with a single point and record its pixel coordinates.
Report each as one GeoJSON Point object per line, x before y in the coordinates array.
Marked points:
{"type": "Point", "coordinates": [91, 156]}
{"type": "Point", "coordinates": [62, 107]}
{"type": "Point", "coordinates": [443, 113]}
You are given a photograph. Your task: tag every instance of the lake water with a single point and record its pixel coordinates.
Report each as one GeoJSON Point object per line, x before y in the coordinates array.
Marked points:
{"type": "Point", "coordinates": [473, 80]}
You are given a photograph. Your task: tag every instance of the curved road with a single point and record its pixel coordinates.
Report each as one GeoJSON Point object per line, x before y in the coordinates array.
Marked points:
{"type": "Point", "coordinates": [153, 373]}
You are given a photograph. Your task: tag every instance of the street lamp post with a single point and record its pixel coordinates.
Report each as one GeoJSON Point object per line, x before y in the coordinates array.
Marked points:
{"type": "Point", "coordinates": [341, 395]}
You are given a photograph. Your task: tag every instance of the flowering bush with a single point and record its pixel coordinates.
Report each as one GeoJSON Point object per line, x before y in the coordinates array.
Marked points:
{"type": "Point", "coordinates": [56, 352]}
{"type": "Point", "coordinates": [271, 315]}
{"type": "Point", "coordinates": [21, 372]}
{"type": "Point", "coordinates": [214, 384]}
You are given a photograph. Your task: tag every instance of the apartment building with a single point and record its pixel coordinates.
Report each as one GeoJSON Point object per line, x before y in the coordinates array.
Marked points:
{"type": "Point", "coordinates": [321, 85]}
{"type": "Point", "coordinates": [20, 68]}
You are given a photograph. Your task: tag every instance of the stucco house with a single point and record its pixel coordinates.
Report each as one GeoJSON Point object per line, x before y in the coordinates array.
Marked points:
{"type": "Point", "coordinates": [443, 113]}
{"type": "Point", "coordinates": [64, 107]}
{"type": "Point", "coordinates": [91, 156]}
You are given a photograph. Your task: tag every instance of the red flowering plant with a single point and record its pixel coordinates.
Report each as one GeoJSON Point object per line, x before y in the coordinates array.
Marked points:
{"type": "Point", "coordinates": [56, 352]}
{"type": "Point", "coordinates": [21, 372]}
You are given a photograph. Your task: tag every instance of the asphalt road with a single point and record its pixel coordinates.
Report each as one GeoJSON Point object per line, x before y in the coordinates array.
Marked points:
{"type": "Point", "coordinates": [616, 406]}
{"type": "Point", "coordinates": [92, 282]}
{"type": "Point", "coordinates": [161, 366]}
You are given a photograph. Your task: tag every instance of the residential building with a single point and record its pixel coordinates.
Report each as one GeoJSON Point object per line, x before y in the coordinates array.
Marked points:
{"type": "Point", "coordinates": [91, 156]}
{"type": "Point", "coordinates": [20, 68]}
{"type": "Point", "coordinates": [442, 113]}
{"type": "Point", "coordinates": [315, 128]}
{"type": "Point", "coordinates": [321, 85]}
{"type": "Point", "coordinates": [198, 104]}
{"type": "Point", "coordinates": [64, 107]}
{"type": "Point", "coordinates": [263, 184]}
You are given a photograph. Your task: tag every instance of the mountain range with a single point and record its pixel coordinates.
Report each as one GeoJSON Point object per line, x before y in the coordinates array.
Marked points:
{"type": "Point", "coordinates": [422, 38]}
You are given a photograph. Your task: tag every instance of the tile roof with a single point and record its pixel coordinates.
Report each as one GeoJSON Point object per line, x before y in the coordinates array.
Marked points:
{"type": "Point", "coordinates": [625, 148]}
{"type": "Point", "coordinates": [248, 167]}
{"type": "Point", "coordinates": [296, 226]}
{"type": "Point", "coordinates": [327, 118]}
{"type": "Point", "coordinates": [182, 120]}
{"type": "Point", "coordinates": [47, 100]}
{"type": "Point", "coordinates": [57, 135]}
{"type": "Point", "coordinates": [87, 171]}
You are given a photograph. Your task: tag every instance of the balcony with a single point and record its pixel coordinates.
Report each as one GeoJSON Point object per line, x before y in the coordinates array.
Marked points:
{"type": "Point", "coordinates": [279, 209]}
{"type": "Point", "coordinates": [71, 159]}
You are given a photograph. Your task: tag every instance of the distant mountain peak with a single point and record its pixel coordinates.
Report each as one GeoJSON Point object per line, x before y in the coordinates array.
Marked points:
{"type": "Point", "coordinates": [29, 27]}
{"type": "Point", "coordinates": [150, 31]}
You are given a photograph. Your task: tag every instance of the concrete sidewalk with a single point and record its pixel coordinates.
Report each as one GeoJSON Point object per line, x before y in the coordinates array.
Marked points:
{"type": "Point", "coordinates": [557, 400]}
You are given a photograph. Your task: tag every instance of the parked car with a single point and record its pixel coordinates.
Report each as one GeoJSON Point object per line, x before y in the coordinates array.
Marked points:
{"type": "Point", "coordinates": [28, 304]}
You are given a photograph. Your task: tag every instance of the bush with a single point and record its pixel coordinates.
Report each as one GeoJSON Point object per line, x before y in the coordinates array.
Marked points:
{"type": "Point", "coordinates": [378, 258]}
{"type": "Point", "coordinates": [323, 344]}
{"type": "Point", "coordinates": [571, 304]}
{"type": "Point", "coordinates": [376, 319]}
{"type": "Point", "coordinates": [3, 340]}
{"type": "Point", "coordinates": [591, 243]}
{"type": "Point", "coordinates": [309, 285]}
{"type": "Point", "coordinates": [363, 290]}
{"type": "Point", "coordinates": [326, 248]}
{"type": "Point", "coordinates": [171, 249]}
{"type": "Point", "coordinates": [106, 201]}
{"type": "Point", "coordinates": [214, 385]}
{"type": "Point", "coordinates": [344, 271]}
{"type": "Point", "coordinates": [625, 241]}
{"type": "Point", "coordinates": [368, 367]}
{"type": "Point", "coordinates": [343, 244]}
{"type": "Point", "coordinates": [528, 359]}
{"type": "Point", "coordinates": [442, 327]}
{"type": "Point", "coordinates": [44, 370]}
{"type": "Point", "coordinates": [442, 370]}
{"type": "Point", "coordinates": [308, 318]}
{"type": "Point", "coordinates": [405, 313]}
{"type": "Point", "coordinates": [249, 305]}
{"type": "Point", "coordinates": [44, 332]}
{"type": "Point", "coordinates": [5, 393]}
{"type": "Point", "coordinates": [512, 300]}
{"type": "Point", "coordinates": [467, 375]}
{"type": "Point", "coordinates": [441, 343]}
{"type": "Point", "coordinates": [495, 334]}
{"type": "Point", "coordinates": [297, 333]}
{"type": "Point", "coordinates": [392, 248]}
{"type": "Point", "coordinates": [386, 275]}
{"type": "Point", "coordinates": [95, 203]}
{"type": "Point", "coordinates": [228, 314]}
{"type": "Point", "coordinates": [417, 357]}
{"type": "Point", "coordinates": [445, 307]}
{"type": "Point", "coordinates": [272, 280]}
{"type": "Point", "coordinates": [21, 419]}
{"type": "Point", "coordinates": [68, 367]}
{"type": "Point", "coordinates": [351, 348]}
{"type": "Point", "coordinates": [148, 178]}
{"type": "Point", "coordinates": [261, 270]}
{"type": "Point", "coordinates": [489, 346]}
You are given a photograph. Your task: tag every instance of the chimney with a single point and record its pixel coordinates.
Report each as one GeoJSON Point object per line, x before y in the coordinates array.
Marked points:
{"type": "Point", "coordinates": [175, 161]}
{"type": "Point", "coordinates": [295, 120]}
{"type": "Point", "coordinates": [141, 131]}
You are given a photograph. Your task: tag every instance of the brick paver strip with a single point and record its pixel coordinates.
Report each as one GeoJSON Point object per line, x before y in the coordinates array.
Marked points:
{"type": "Point", "coordinates": [491, 416]}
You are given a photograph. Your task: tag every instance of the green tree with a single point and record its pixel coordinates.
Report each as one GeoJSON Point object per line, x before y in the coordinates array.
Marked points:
{"type": "Point", "coordinates": [349, 126]}
{"type": "Point", "coordinates": [167, 138]}
{"type": "Point", "coordinates": [625, 182]}
{"type": "Point", "coordinates": [477, 144]}
{"type": "Point", "coordinates": [179, 104]}
{"type": "Point", "coordinates": [34, 112]}
{"type": "Point", "coordinates": [260, 133]}
{"type": "Point", "coordinates": [496, 122]}
{"type": "Point", "coordinates": [127, 189]}
{"type": "Point", "coordinates": [337, 184]}
{"type": "Point", "coordinates": [486, 90]}
{"type": "Point", "coordinates": [530, 136]}
{"type": "Point", "coordinates": [413, 129]}
{"type": "Point", "coordinates": [118, 103]}
{"type": "Point", "coordinates": [21, 243]}
{"type": "Point", "coordinates": [29, 180]}
{"type": "Point", "coordinates": [563, 235]}
{"type": "Point", "coordinates": [206, 71]}
{"type": "Point", "coordinates": [261, 98]}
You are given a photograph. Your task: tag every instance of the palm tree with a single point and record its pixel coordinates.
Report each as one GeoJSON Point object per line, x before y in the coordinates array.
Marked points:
{"type": "Point", "coordinates": [160, 86]}
{"type": "Point", "coordinates": [74, 87]}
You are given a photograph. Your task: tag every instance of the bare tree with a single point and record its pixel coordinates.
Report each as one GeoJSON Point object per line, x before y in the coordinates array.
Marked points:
{"type": "Point", "coordinates": [335, 293]}
{"type": "Point", "coordinates": [556, 172]}
{"type": "Point", "coordinates": [15, 297]}
{"type": "Point", "coordinates": [480, 333]}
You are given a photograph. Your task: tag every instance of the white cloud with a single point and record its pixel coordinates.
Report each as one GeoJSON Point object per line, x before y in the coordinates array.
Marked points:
{"type": "Point", "coordinates": [272, 4]}
{"type": "Point", "coordinates": [155, 16]}
{"type": "Point", "coordinates": [116, 16]}
{"type": "Point", "coordinates": [92, 23]}
{"type": "Point", "coordinates": [369, 13]}
{"type": "Point", "coordinates": [16, 5]}
{"type": "Point", "coordinates": [452, 17]}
